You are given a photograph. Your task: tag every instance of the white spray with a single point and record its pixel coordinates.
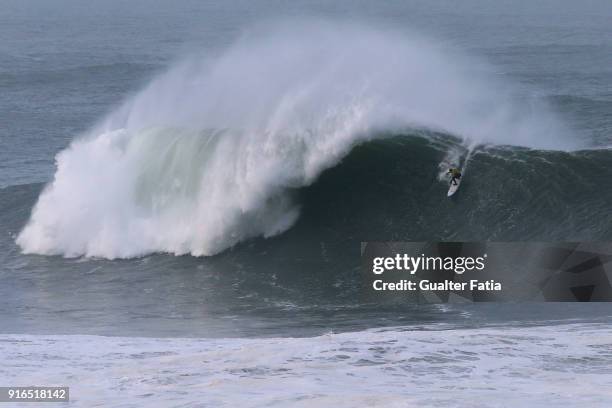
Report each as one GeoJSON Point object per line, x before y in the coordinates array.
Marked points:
{"type": "Point", "coordinates": [203, 157]}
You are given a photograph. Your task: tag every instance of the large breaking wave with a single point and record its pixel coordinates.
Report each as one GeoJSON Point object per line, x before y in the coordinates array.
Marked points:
{"type": "Point", "coordinates": [205, 156]}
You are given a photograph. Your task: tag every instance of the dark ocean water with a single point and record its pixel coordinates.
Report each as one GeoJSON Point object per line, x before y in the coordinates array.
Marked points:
{"type": "Point", "coordinates": [65, 65]}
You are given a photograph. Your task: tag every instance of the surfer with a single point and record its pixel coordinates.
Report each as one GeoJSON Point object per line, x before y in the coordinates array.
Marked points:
{"type": "Point", "coordinates": [455, 175]}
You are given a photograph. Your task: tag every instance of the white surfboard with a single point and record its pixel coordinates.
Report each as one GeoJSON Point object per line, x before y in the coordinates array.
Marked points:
{"type": "Point", "coordinates": [453, 188]}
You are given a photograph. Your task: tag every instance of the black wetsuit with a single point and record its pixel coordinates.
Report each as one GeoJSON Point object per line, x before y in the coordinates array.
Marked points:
{"type": "Point", "coordinates": [456, 174]}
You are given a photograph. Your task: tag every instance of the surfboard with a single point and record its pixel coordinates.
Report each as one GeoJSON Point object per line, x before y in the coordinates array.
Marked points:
{"type": "Point", "coordinates": [453, 188]}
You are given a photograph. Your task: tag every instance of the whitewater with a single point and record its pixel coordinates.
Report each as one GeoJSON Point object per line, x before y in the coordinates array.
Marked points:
{"type": "Point", "coordinates": [566, 364]}
{"type": "Point", "coordinates": [207, 155]}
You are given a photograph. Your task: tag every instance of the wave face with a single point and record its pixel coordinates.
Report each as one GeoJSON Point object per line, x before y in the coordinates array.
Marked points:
{"type": "Point", "coordinates": [389, 190]}
{"type": "Point", "coordinates": [208, 154]}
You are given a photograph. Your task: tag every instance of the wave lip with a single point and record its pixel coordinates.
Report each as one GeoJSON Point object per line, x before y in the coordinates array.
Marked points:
{"type": "Point", "coordinates": [203, 158]}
